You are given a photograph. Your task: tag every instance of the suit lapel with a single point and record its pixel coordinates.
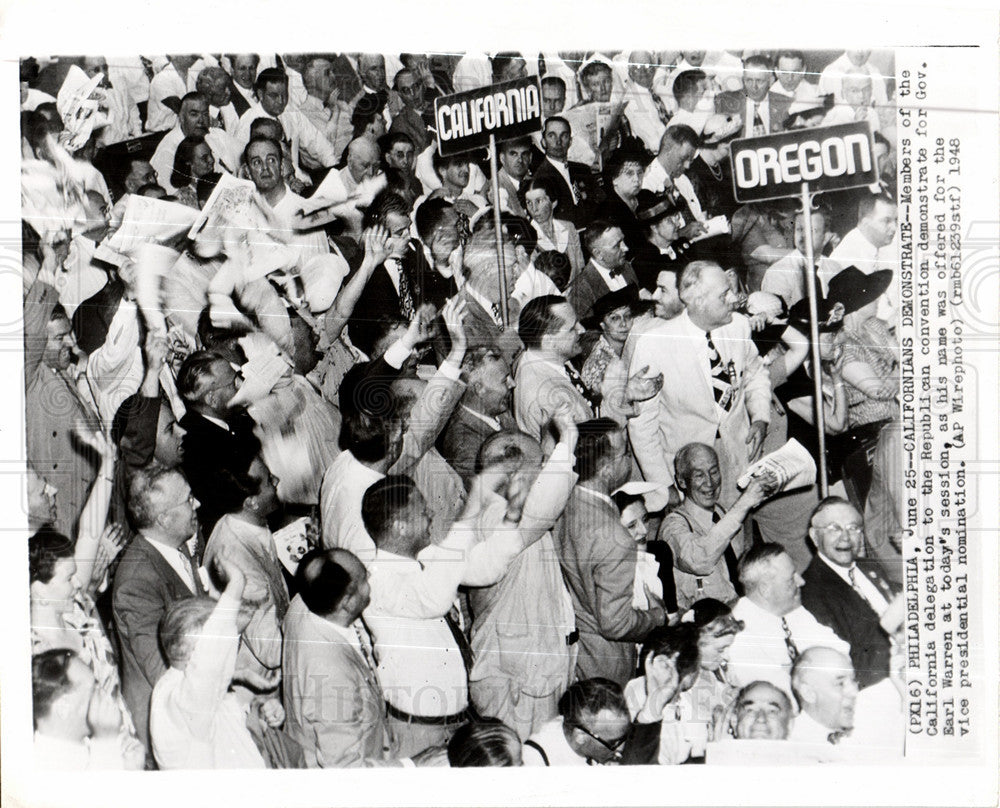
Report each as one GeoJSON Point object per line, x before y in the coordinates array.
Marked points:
{"type": "Point", "coordinates": [163, 570]}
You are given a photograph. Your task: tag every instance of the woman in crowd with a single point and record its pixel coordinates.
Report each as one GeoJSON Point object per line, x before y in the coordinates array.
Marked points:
{"type": "Point", "coordinates": [64, 616]}
{"type": "Point", "coordinates": [717, 630]}
{"type": "Point", "coordinates": [540, 200]}
{"type": "Point", "coordinates": [871, 351]}
{"type": "Point", "coordinates": [623, 172]}
{"type": "Point", "coordinates": [654, 569]}
{"type": "Point", "coordinates": [192, 161]}
{"type": "Point", "coordinates": [604, 373]}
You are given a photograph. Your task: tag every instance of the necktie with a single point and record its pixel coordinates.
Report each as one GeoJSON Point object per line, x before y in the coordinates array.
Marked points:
{"type": "Point", "coordinates": [852, 575]}
{"type": "Point", "coordinates": [451, 618]}
{"type": "Point", "coordinates": [541, 65]}
{"type": "Point", "coordinates": [365, 641]}
{"type": "Point", "coordinates": [577, 380]}
{"type": "Point", "coordinates": [84, 404]}
{"type": "Point", "coordinates": [216, 122]}
{"type": "Point", "coordinates": [722, 381]}
{"type": "Point", "coordinates": [793, 652]}
{"type": "Point", "coordinates": [185, 551]}
{"type": "Point", "coordinates": [661, 110]}
{"type": "Point", "coordinates": [758, 123]}
{"type": "Point", "coordinates": [732, 563]}
{"type": "Point", "coordinates": [497, 314]}
{"type": "Point", "coordinates": [406, 306]}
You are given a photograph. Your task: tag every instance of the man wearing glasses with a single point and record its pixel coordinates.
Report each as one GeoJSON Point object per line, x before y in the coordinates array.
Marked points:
{"type": "Point", "coordinates": [591, 730]}
{"type": "Point", "coordinates": [158, 567]}
{"type": "Point", "coordinates": [848, 593]}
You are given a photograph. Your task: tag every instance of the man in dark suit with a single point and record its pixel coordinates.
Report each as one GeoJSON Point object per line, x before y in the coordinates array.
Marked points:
{"type": "Point", "coordinates": [483, 323]}
{"type": "Point", "coordinates": [854, 599]}
{"type": "Point", "coordinates": [577, 194]}
{"type": "Point", "coordinates": [483, 410]}
{"type": "Point", "coordinates": [218, 440]}
{"type": "Point", "coordinates": [763, 112]}
{"type": "Point", "coordinates": [243, 70]}
{"type": "Point", "coordinates": [608, 269]}
{"type": "Point", "coordinates": [157, 568]}
{"type": "Point", "coordinates": [390, 290]}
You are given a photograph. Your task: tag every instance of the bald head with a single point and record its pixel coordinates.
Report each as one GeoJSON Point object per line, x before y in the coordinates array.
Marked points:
{"type": "Point", "coordinates": [641, 67]}
{"type": "Point", "coordinates": [508, 446]}
{"type": "Point", "coordinates": [363, 159]}
{"type": "Point", "coordinates": [825, 686]}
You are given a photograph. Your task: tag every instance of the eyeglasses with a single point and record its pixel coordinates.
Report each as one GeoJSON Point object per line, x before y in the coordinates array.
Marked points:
{"type": "Point", "coordinates": [189, 499]}
{"type": "Point", "coordinates": [614, 747]}
{"type": "Point", "coordinates": [837, 531]}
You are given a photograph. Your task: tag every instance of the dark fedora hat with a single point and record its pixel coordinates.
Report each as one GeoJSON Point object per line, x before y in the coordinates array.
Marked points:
{"type": "Point", "coordinates": [855, 289]}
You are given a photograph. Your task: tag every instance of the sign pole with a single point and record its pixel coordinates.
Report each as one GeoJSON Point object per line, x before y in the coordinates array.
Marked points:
{"type": "Point", "coordinates": [813, 293]}
{"type": "Point", "coordinates": [501, 268]}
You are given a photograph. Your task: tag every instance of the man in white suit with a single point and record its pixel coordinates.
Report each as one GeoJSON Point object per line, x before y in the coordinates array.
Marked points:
{"type": "Point", "coordinates": [715, 391]}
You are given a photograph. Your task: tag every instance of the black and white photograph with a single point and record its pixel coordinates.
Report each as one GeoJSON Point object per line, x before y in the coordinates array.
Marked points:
{"type": "Point", "coordinates": [507, 408]}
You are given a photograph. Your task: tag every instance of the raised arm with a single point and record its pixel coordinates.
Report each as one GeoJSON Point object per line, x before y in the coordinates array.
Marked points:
{"type": "Point", "coordinates": [376, 246]}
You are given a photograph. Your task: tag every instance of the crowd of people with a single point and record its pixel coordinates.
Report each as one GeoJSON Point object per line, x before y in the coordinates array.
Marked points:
{"type": "Point", "coordinates": [324, 471]}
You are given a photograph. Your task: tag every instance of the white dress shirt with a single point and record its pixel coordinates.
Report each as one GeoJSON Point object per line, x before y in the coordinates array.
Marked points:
{"type": "Point", "coordinates": [312, 242]}
{"type": "Point", "coordinates": [557, 749]}
{"type": "Point", "coordinates": [804, 91]}
{"type": "Point", "coordinates": [614, 283]}
{"type": "Point", "coordinates": [655, 178]}
{"type": "Point", "coordinates": [760, 653]}
{"type": "Point", "coordinates": [563, 170]}
{"type": "Point", "coordinates": [166, 83]}
{"type": "Point", "coordinates": [533, 283]}
{"type": "Point", "coordinates": [57, 754]}
{"type": "Point", "coordinates": [298, 129]}
{"type": "Point", "coordinates": [863, 585]}
{"type": "Point", "coordinates": [247, 95]}
{"type": "Point", "coordinates": [195, 721]}
{"type": "Point", "coordinates": [643, 116]}
{"type": "Point", "coordinates": [763, 109]}
{"type": "Point", "coordinates": [344, 486]}
{"type": "Point", "coordinates": [179, 561]}
{"type": "Point", "coordinates": [786, 277]}
{"type": "Point", "coordinates": [230, 120]}
{"type": "Point", "coordinates": [856, 250]}
{"type": "Point", "coordinates": [696, 120]}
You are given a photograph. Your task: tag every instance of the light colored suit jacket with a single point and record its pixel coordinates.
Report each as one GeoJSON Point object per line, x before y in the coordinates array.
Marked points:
{"type": "Point", "coordinates": [698, 546]}
{"type": "Point", "coordinates": [333, 701]}
{"type": "Point", "coordinates": [540, 388]}
{"type": "Point", "coordinates": [685, 409]}
{"type": "Point", "coordinates": [598, 562]}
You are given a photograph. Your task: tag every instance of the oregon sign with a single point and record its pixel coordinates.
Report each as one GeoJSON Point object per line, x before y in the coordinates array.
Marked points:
{"type": "Point", "coordinates": [829, 158]}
